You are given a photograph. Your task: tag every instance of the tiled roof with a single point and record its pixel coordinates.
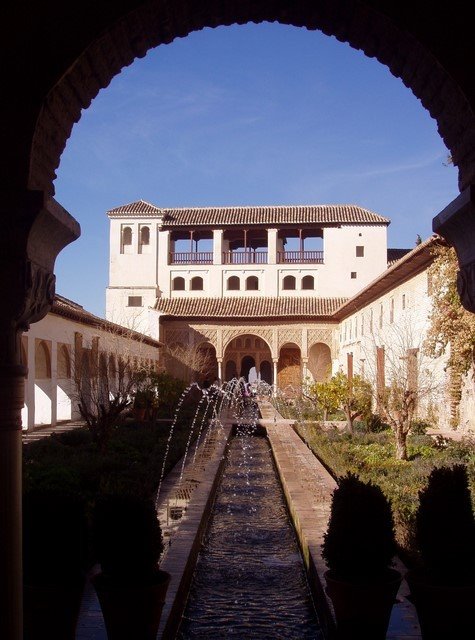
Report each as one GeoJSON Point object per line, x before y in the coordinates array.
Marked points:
{"type": "Point", "coordinates": [139, 209]}
{"type": "Point", "coordinates": [396, 254]}
{"type": "Point", "coordinates": [230, 216]}
{"type": "Point", "coordinates": [74, 311]}
{"type": "Point", "coordinates": [249, 307]}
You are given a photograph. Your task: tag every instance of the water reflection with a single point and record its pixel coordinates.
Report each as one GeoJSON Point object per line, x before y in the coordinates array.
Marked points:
{"type": "Point", "coordinates": [249, 581]}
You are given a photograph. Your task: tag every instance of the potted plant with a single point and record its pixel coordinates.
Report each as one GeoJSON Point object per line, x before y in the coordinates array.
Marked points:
{"type": "Point", "coordinates": [443, 584]}
{"type": "Point", "coordinates": [358, 548]}
{"type": "Point", "coordinates": [127, 541]}
{"type": "Point", "coordinates": [55, 553]}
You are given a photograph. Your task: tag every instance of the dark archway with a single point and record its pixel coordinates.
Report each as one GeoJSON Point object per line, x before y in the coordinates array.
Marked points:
{"type": "Point", "coordinates": [409, 42]}
{"type": "Point", "coordinates": [247, 363]}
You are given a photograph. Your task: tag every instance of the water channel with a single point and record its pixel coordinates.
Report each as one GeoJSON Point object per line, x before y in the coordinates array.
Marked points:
{"type": "Point", "coordinates": [250, 580]}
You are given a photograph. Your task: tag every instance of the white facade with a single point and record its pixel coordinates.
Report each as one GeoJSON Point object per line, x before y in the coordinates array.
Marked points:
{"type": "Point", "coordinates": [52, 347]}
{"type": "Point", "coordinates": [150, 258]}
{"type": "Point", "coordinates": [224, 278]}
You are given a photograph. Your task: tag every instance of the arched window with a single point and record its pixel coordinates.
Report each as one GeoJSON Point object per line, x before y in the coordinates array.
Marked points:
{"type": "Point", "coordinates": [42, 361]}
{"type": "Point", "coordinates": [308, 282]}
{"type": "Point", "coordinates": [126, 238]}
{"type": "Point", "coordinates": [64, 362]}
{"type": "Point", "coordinates": [288, 282]}
{"type": "Point", "coordinates": [234, 283]}
{"type": "Point", "coordinates": [252, 283]}
{"type": "Point", "coordinates": [197, 283]}
{"type": "Point", "coordinates": [178, 284]}
{"type": "Point", "coordinates": [144, 235]}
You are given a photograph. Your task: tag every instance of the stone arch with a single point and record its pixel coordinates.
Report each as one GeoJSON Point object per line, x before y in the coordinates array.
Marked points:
{"type": "Point", "coordinates": [207, 361]}
{"type": "Point", "coordinates": [319, 362]}
{"type": "Point", "coordinates": [246, 349]}
{"type": "Point", "coordinates": [289, 369]}
{"type": "Point", "coordinates": [388, 34]}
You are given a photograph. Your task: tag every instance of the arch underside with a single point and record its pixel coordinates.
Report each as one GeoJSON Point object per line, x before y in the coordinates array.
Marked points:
{"type": "Point", "coordinates": [376, 33]}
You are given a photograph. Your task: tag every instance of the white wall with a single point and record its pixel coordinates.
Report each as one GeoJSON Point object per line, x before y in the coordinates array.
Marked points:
{"type": "Point", "coordinates": [52, 399]}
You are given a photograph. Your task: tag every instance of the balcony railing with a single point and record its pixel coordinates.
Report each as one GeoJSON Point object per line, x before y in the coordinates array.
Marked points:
{"type": "Point", "coordinates": [300, 257]}
{"type": "Point", "coordinates": [191, 257]}
{"type": "Point", "coordinates": [244, 257]}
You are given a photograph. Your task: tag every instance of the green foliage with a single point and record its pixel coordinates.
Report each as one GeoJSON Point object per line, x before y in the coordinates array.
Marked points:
{"type": "Point", "coordinates": [353, 396]}
{"type": "Point", "coordinates": [419, 427]}
{"type": "Point", "coordinates": [371, 456]}
{"type": "Point", "coordinates": [445, 526]}
{"type": "Point", "coordinates": [325, 398]}
{"type": "Point", "coordinates": [450, 324]}
{"type": "Point", "coordinates": [127, 538]}
{"type": "Point", "coordinates": [374, 424]}
{"type": "Point", "coordinates": [134, 458]}
{"type": "Point", "coordinates": [359, 542]}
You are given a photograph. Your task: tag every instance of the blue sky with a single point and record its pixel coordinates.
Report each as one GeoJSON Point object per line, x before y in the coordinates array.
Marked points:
{"type": "Point", "coordinates": [249, 115]}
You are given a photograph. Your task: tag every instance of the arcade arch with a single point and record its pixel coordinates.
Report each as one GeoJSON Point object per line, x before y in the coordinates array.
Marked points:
{"type": "Point", "coordinates": [289, 369]}
{"type": "Point", "coordinates": [319, 362]}
{"type": "Point", "coordinates": [245, 355]}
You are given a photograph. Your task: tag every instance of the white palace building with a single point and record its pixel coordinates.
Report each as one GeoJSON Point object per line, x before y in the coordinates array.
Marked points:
{"type": "Point", "coordinates": [284, 294]}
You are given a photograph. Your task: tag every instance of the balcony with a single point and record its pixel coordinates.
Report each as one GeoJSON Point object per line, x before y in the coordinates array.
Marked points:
{"type": "Point", "coordinates": [244, 257]}
{"type": "Point", "coordinates": [300, 257]}
{"type": "Point", "coordinates": [191, 257]}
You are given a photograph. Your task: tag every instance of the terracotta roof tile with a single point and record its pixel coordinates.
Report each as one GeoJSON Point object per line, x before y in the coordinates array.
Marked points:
{"type": "Point", "coordinates": [139, 209]}
{"type": "Point", "coordinates": [74, 311]}
{"type": "Point", "coordinates": [249, 307]}
{"type": "Point", "coordinates": [265, 215]}
{"type": "Point", "coordinates": [396, 254]}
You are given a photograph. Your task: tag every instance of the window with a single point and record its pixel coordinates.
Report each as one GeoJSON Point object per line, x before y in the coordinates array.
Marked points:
{"type": "Point", "coordinates": [197, 283]}
{"type": "Point", "coordinates": [381, 315]}
{"type": "Point", "coordinates": [252, 283]}
{"type": "Point", "coordinates": [144, 235]}
{"type": "Point", "coordinates": [403, 301]}
{"type": "Point", "coordinates": [126, 240]}
{"type": "Point", "coordinates": [134, 301]}
{"type": "Point", "coordinates": [308, 282]}
{"type": "Point", "coordinates": [391, 311]}
{"type": "Point", "coordinates": [353, 275]}
{"type": "Point", "coordinates": [234, 284]}
{"type": "Point", "coordinates": [288, 283]}
{"type": "Point", "coordinates": [178, 284]}
{"type": "Point", "coordinates": [360, 252]}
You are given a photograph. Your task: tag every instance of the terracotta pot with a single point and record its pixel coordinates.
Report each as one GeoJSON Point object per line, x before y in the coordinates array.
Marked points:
{"type": "Point", "coordinates": [52, 610]}
{"type": "Point", "coordinates": [131, 610]}
{"type": "Point", "coordinates": [363, 609]}
{"type": "Point", "coordinates": [444, 611]}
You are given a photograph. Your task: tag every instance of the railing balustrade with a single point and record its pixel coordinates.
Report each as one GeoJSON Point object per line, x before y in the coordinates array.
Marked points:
{"type": "Point", "coordinates": [244, 257]}
{"type": "Point", "coordinates": [300, 257]}
{"type": "Point", "coordinates": [191, 257]}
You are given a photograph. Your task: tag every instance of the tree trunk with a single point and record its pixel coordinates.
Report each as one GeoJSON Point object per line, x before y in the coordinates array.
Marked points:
{"type": "Point", "coordinates": [349, 421]}
{"type": "Point", "coordinates": [401, 444]}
